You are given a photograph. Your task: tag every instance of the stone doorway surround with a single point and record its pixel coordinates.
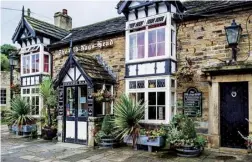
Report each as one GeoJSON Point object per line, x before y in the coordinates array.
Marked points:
{"type": "Point", "coordinates": [225, 74]}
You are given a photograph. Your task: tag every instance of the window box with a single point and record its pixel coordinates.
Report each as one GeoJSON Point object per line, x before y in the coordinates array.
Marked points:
{"type": "Point", "coordinates": [145, 140]}
{"type": "Point", "coordinates": [29, 128]}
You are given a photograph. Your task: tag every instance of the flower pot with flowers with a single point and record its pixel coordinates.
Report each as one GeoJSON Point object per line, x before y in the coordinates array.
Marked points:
{"type": "Point", "coordinates": [103, 95]}
{"type": "Point", "coordinates": [183, 138]}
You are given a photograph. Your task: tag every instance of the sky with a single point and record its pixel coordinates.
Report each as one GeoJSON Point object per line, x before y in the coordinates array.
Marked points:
{"type": "Point", "coordinates": [82, 12]}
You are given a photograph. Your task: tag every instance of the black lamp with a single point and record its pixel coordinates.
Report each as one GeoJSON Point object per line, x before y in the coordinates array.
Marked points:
{"type": "Point", "coordinates": [233, 34]}
{"type": "Point", "coordinates": [13, 62]}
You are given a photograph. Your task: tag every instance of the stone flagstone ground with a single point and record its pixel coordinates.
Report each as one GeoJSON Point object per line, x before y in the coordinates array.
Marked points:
{"type": "Point", "coordinates": [19, 149]}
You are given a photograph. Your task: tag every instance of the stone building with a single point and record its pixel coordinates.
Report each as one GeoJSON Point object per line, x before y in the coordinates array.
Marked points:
{"type": "Point", "coordinates": [173, 55]}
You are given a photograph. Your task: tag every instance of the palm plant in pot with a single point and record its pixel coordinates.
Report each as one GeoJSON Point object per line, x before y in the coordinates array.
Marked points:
{"type": "Point", "coordinates": [48, 93]}
{"type": "Point", "coordinates": [127, 114]}
{"type": "Point", "coordinates": [183, 138]}
{"type": "Point", "coordinates": [19, 116]}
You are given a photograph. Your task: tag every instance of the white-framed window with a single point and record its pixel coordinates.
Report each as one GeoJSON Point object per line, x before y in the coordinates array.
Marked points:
{"type": "Point", "coordinates": [30, 63]}
{"type": "Point", "coordinates": [137, 45]}
{"type": "Point", "coordinates": [155, 40]}
{"type": "Point", "coordinates": [3, 96]}
{"type": "Point", "coordinates": [154, 92]}
{"type": "Point", "coordinates": [35, 63]}
{"type": "Point", "coordinates": [31, 95]}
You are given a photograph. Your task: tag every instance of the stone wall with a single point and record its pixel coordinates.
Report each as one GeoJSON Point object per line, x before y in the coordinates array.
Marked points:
{"type": "Point", "coordinates": [203, 42]}
{"type": "Point", "coordinates": [113, 56]}
{"type": "Point", "coordinates": [5, 83]}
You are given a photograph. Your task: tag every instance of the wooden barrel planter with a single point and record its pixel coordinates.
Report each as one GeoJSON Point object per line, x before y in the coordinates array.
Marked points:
{"type": "Point", "coordinates": [189, 151]}
{"type": "Point", "coordinates": [108, 142]}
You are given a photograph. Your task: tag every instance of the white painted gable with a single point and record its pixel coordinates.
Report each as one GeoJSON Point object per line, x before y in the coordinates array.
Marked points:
{"type": "Point", "coordinates": [67, 79]}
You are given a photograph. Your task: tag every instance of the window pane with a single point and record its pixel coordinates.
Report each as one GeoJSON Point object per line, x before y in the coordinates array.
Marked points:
{"type": "Point", "coordinates": [161, 49]}
{"type": "Point", "coordinates": [28, 64]}
{"type": "Point", "coordinates": [152, 112]}
{"type": "Point", "coordinates": [152, 36]}
{"type": "Point", "coordinates": [172, 83]}
{"type": "Point", "coordinates": [160, 82]}
{"type": "Point", "coordinates": [140, 84]}
{"type": "Point", "coordinates": [161, 98]}
{"type": "Point", "coordinates": [152, 83]}
{"type": "Point", "coordinates": [3, 96]}
{"type": "Point", "coordinates": [161, 35]}
{"type": "Point", "coordinates": [152, 50]}
{"type": "Point", "coordinates": [132, 84]}
{"type": "Point", "coordinates": [140, 38]}
{"type": "Point", "coordinates": [140, 52]}
{"type": "Point", "coordinates": [37, 63]}
{"type": "Point", "coordinates": [46, 63]}
{"type": "Point", "coordinates": [140, 97]}
{"type": "Point", "coordinates": [24, 64]}
{"type": "Point", "coordinates": [133, 97]}
{"type": "Point", "coordinates": [152, 98]}
{"type": "Point", "coordinates": [132, 46]}
{"type": "Point", "coordinates": [161, 113]}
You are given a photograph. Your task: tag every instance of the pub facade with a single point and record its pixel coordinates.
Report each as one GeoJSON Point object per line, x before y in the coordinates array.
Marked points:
{"type": "Point", "coordinates": [173, 55]}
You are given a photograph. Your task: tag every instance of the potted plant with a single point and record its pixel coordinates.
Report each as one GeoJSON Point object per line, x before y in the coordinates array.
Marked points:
{"type": "Point", "coordinates": [106, 136]}
{"type": "Point", "coordinates": [103, 96]}
{"type": "Point", "coordinates": [127, 114]}
{"type": "Point", "coordinates": [183, 138]}
{"type": "Point", "coordinates": [19, 116]}
{"type": "Point", "coordinates": [48, 93]}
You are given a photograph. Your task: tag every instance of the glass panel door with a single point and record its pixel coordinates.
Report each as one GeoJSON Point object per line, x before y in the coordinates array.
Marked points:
{"type": "Point", "coordinates": [70, 114]}
{"type": "Point", "coordinates": [82, 115]}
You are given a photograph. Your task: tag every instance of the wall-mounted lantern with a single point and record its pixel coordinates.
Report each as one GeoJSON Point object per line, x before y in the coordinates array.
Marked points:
{"type": "Point", "coordinates": [233, 34]}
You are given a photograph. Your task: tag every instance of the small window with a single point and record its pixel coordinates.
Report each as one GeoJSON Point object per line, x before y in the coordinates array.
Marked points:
{"type": "Point", "coordinates": [172, 83]}
{"type": "Point", "coordinates": [161, 83]}
{"type": "Point", "coordinates": [3, 96]}
{"type": "Point", "coordinates": [132, 85]}
{"type": "Point", "coordinates": [152, 84]}
{"type": "Point", "coordinates": [136, 25]}
{"type": "Point", "coordinates": [156, 107]}
{"type": "Point", "coordinates": [46, 63]}
{"type": "Point", "coordinates": [136, 46]}
{"type": "Point", "coordinates": [157, 20]}
{"type": "Point", "coordinates": [140, 84]}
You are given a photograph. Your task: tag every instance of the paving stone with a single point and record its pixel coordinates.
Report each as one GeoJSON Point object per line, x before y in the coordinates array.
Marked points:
{"type": "Point", "coordinates": [27, 157]}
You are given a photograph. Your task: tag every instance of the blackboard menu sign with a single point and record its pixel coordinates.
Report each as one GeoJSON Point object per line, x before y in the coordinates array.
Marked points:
{"type": "Point", "coordinates": [192, 102]}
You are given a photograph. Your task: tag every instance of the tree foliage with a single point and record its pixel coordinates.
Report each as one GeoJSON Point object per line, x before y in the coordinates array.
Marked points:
{"type": "Point", "coordinates": [4, 63]}
{"type": "Point", "coordinates": [6, 49]}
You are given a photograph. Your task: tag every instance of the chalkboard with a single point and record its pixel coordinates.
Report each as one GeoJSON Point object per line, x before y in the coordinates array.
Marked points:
{"type": "Point", "coordinates": [192, 102]}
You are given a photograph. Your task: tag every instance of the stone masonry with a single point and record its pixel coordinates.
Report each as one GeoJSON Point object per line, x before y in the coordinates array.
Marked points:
{"type": "Point", "coordinates": [203, 42]}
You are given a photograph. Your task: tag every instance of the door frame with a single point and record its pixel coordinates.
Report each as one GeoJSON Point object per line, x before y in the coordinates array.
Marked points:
{"type": "Point", "coordinates": [76, 114]}
{"type": "Point", "coordinates": [214, 104]}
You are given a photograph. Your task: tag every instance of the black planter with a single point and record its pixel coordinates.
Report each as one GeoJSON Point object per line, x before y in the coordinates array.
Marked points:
{"type": "Point", "coordinates": [189, 151]}
{"type": "Point", "coordinates": [48, 133]}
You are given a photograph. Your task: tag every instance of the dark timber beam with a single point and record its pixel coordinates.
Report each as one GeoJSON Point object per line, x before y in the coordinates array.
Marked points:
{"type": "Point", "coordinates": [156, 7]}
{"type": "Point", "coordinates": [146, 10]}
{"type": "Point", "coordinates": [136, 13]}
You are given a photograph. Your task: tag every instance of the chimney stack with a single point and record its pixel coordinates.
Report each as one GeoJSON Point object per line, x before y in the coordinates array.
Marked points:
{"type": "Point", "coordinates": [62, 20]}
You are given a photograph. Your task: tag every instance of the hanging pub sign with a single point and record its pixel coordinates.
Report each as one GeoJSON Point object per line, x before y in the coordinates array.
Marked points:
{"type": "Point", "coordinates": [192, 102]}
{"type": "Point", "coordinates": [88, 47]}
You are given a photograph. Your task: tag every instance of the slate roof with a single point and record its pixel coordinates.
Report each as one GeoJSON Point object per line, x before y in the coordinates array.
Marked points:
{"type": "Point", "coordinates": [93, 69]}
{"type": "Point", "coordinates": [46, 28]}
{"type": "Point", "coordinates": [204, 7]}
{"type": "Point", "coordinates": [99, 29]}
